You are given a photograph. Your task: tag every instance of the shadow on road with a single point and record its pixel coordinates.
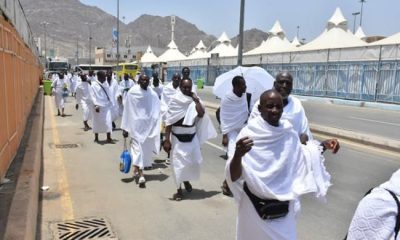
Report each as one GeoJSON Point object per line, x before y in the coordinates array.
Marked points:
{"type": "Point", "coordinates": [198, 194]}
{"type": "Point", "coordinates": [156, 177]}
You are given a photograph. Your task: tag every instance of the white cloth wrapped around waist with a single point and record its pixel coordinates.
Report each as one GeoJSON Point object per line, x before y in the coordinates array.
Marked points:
{"type": "Point", "coordinates": [183, 130]}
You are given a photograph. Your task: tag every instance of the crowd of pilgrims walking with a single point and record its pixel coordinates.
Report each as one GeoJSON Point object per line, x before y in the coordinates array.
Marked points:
{"type": "Point", "coordinates": [272, 157]}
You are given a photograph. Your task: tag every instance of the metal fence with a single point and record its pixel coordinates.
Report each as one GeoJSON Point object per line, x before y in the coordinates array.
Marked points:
{"type": "Point", "coordinates": [358, 80]}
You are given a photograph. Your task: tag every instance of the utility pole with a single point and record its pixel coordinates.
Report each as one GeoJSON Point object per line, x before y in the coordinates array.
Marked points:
{"type": "Point", "coordinates": [172, 28]}
{"type": "Point", "coordinates": [90, 43]}
{"type": "Point", "coordinates": [354, 23]}
{"type": "Point", "coordinates": [77, 50]}
{"type": "Point", "coordinates": [362, 4]}
{"type": "Point", "coordinates": [117, 32]}
{"type": "Point", "coordinates": [297, 34]}
{"type": "Point", "coordinates": [45, 38]}
{"type": "Point", "coordinates": [241, 24]}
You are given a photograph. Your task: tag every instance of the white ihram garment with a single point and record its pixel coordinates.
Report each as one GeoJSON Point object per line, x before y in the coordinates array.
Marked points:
{"type": "Point", "coordinates": [83, 98]}
{"type": "Point", "coordinates": [141, 119]}
{"type": "Point", "coordinates": [58, 89]}
{"type": "Point", "coordinates": [375, 217]}
{"type": "Point", "coordinates": [114, 93]}
{"type": "Point", "coordinates": [166, 95]}
{"type": "Point", "coordinates": [101, 97]}
{"type": "Point", "coordinates": [234, 113]}
{"type": "Point", "coordinates": [73, 83]}
{"type": "Point", "coordinates": [294, 112]}
{"type": "Point", "coordinates": [186, 156]}
{"type": "Point", "coordinates": [277, 167]}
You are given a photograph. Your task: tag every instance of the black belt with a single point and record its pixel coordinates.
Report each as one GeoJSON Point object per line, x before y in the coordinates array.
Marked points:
{"type": "Point", "coordinates": [184, 137]}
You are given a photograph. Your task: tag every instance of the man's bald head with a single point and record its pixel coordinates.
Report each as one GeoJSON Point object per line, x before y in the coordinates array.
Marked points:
{"type": "Point", "coordinates": [284, 84]}
{"type": "Point", "coordinates": [271, 106]}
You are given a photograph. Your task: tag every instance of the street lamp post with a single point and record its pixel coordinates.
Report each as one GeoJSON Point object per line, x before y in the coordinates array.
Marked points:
{"type": "Point", "coordinates": [45, 38]}
{"type": "Point", "coordinates": [240, 53]}
{"type": "Point", "coordinates": [117, 32]}
{"type": "Point", "coordinates": [297, 34]}
{"type": "Point", "coordinates": [354, 23]}
{"type": "Point", "coordinates": [362, 4]}
{"type": "Point", "coordinates": [90, 44]}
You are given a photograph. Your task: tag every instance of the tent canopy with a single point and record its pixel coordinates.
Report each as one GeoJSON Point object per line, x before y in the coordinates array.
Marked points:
{"type": "Point", "coordinates": [276, 42]}
{"type": "Point", "coordinates": [172, 53]}
{"type": "Point", "coordinates": [149, 56]}
{"type": "Point", "coordinates": [335, 35]}
{"type": "Point", "coordinates": [224, 47]}
{"type": "Point", "coordinates": [394, 39]}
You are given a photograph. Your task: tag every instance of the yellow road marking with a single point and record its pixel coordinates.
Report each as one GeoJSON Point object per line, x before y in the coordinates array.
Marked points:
{"type": "Point", "coordinates": [66, 202]}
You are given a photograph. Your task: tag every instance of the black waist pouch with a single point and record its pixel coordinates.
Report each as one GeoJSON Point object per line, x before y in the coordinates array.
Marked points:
{"type": "Point", "coordinates": [267, 209]}
{"type": "Point", "coordinates": [184, 137]}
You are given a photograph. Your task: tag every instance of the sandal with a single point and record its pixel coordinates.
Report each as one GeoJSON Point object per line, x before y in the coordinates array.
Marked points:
{"type": "Point", "coordinates": [225, 190]}
{"type": "Point", "coordinates": [188, 186]}
{"type": "Point", "coordinates": [178, 196]}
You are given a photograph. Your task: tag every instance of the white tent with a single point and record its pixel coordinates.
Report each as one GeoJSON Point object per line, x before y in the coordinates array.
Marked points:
{"type": "Point", "coordinates": [200, 51]}
{"type": "Point", "coordinates": [296, 42]}
{"type": "Point", "coordinates": [149, 56]}
{"type": "Point", "coordinates": [360, 33]}
{"type": "Point", "coordinates": [391, 40]}
{"type": "Point", "coordinates": [334, 36]}
{"type": "Point", "coordinates": [224, 47]}
{"type": "Point", "coordinates": [172, 53]}
{"type": "Point", "coordinates": [276, 42]}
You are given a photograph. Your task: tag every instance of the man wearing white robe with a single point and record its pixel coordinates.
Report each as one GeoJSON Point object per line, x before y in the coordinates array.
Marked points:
{"type": "Point", "coordinates": [233, 114]}
{"type": "Point", "coordinates": [124, 86]}
{"type": "Point", "coordinates": [91, 76]}
{"type": "Point", "coordinates": [187, 127]}
{"type": "Point", "coordinates": [293, 110]}
{"type": "Point", "coordinates": [168, 92]}
{"type": "Point", "coordinates": [83, 98]}
{"type": "Point", "coordinates": [73, 82]}
{"type": "Point", "coordinates": [114, 94]}
{"type": "Point", "coordinates": [141, 119]}
{"type": "Point", "coordinates": [100, 94]}
{"type": "Point", "coordinates": [271, 161]}
{"type": "Point", "coordinates": [375, 216]}
{"type": "Point", "coordinates": [60, 88]}
{"type": "Point", "coordinates": [155, 84]}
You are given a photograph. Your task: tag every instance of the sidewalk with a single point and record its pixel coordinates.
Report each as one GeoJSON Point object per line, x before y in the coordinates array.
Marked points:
{"type": "Point", "coordinates": [22, 192]}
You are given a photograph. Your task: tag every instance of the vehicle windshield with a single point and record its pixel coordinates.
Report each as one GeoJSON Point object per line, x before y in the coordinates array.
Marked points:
{"type": "Point", "coordinates": [58, 66]}
{"type": "Point", "coordinates": [131, 67]}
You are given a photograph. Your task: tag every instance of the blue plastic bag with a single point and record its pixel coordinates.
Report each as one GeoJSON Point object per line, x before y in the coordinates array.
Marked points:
{"type": "Point", "coordinates": [125, 160]}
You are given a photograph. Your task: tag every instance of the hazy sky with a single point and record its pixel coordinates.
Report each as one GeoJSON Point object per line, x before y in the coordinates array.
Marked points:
{"type": "Point", "coordinates": [380, 17]}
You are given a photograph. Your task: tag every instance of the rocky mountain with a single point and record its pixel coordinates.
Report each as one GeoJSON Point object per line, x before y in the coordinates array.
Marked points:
{"type": "Point", "coordinates": [251, 39]}
{"type": "Point", "coordinates": [70, 23]}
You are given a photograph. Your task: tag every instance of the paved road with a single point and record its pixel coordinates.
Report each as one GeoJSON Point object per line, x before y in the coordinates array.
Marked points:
{"type": "Point", "coordinates": [85, 182]}
{"type": "Point", "coordinates": [377, 122]}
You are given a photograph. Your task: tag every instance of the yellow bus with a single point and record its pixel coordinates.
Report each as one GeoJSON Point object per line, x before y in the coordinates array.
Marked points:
{"type": "Point", "coordinates": [130, 68]}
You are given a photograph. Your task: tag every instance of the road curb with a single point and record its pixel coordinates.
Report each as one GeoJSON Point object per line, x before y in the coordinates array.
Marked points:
{"type": "Point", "coordinates": [366, 139]}
{"type": "Point", "coordinates": [22, 217]}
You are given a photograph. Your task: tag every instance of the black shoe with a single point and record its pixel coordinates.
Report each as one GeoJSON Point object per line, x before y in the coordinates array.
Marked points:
{"type": "Point", "coordinates": [188, 186]}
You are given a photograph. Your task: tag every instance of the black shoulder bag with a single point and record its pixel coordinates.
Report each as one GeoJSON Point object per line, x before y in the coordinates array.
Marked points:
{"type": "Point", "coordinates": [267, 209]}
